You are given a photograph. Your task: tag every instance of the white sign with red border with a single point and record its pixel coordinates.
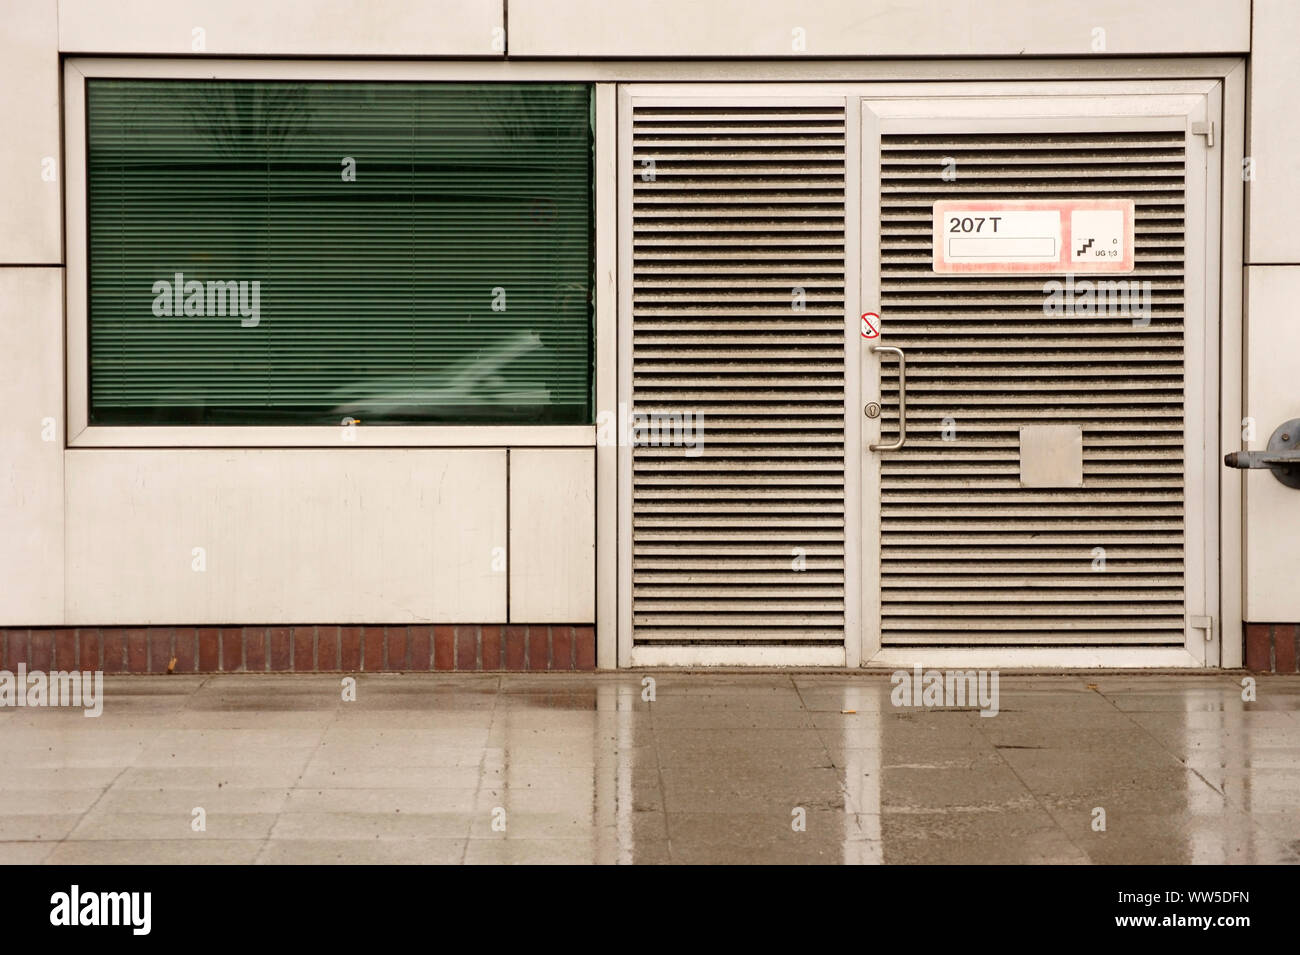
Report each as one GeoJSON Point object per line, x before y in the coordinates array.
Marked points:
{"type": "Point", "coordinates": [1034, 235]}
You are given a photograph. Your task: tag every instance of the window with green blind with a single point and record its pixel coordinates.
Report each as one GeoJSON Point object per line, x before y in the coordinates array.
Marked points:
{"type": "Point", "coordinates": [304, 252]}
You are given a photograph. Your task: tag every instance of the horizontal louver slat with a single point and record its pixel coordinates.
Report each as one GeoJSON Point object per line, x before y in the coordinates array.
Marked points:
{"type": "Point", "coordinates": [969, 558]}
{"type": "Point", "coordinates": [746, 205]}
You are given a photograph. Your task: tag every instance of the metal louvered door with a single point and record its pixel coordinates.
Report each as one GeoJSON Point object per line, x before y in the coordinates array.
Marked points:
{"type": "Point", "coordinates": [966, 562]}
{"type": "Point", "coordinates": [733, 357]}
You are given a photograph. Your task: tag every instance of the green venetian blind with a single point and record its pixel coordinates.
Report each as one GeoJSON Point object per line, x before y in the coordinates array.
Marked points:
{"type": "Point", "coordinates": [393, 252]}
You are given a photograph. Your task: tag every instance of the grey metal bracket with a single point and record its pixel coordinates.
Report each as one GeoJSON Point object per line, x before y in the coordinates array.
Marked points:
{"type": "Point", "coordinates": [1282, 456]}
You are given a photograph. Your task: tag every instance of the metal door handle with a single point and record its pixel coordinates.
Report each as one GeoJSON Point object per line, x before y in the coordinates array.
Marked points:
{"type": "Point", "coordinates": [902, 399]}
{"type": "Point", "coordinates": [1282, 456]}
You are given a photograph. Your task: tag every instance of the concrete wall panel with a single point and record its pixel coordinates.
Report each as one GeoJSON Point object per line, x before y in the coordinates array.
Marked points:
{"type": "Point", "coordinates": [275, 28]}
{"type": "Point", "coordinates": [553, 536]}
{"type": "Point", "coordinates": [30, 160]}
{"type": "Point", "coordinates": [1272, 519]}
{"type": "Point", "coordinates": [287, 536]}
{"type": "Point", "coordinates": [841, 28]}
{"type": "Point", "coordinates": [1272, 196]}
{"type": "Point", "coordinates": [31, 446]}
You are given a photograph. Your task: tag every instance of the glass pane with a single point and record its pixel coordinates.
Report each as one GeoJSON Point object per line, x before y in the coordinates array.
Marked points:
{"type": "Point", "coordinates": [297, 253]}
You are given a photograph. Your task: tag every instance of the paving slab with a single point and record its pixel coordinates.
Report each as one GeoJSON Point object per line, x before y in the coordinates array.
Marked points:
{"type": "Point", "coordinates": [763, 767]}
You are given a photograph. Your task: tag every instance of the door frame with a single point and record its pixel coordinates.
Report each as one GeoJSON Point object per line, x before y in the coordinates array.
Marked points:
{"type": "Point", "coordinates": [946, 108]}
{"type": "Point", "coordinates": [1223, 82]}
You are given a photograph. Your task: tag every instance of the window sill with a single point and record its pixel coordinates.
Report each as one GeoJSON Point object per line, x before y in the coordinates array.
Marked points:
{"type": "Point", "coordinates": [360, 436]}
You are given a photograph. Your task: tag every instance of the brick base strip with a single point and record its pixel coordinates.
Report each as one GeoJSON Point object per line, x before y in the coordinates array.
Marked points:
{"type": "Point", "coordinates": [1273, 647]}
{"type": "Point", "coordinates": [307, 649]}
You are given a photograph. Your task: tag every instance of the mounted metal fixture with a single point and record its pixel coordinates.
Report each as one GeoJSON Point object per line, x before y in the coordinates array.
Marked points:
{"type": "Point", "coordinates": [902, 399]}
{"type": "Point", "coordinates": [1282, 456]}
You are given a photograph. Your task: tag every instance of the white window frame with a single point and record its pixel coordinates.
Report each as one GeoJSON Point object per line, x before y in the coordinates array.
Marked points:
{"type": "Point", "coordinates": [81, 434]}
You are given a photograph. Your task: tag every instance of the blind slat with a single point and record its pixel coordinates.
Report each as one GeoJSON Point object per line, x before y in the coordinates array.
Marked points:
{"type": "Point", "coordinates": [448, 281]}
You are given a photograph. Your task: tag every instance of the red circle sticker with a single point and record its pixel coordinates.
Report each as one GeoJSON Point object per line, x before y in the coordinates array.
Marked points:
{"type": "Point", "coordinates": [870, 325]}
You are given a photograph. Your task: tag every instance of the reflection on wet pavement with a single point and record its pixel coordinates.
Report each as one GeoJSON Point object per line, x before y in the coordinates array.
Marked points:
{"type": "Point", "coordinates": [719, 768]}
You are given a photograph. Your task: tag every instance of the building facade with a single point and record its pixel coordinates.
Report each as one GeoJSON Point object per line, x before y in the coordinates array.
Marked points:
{"type": "Point", "coordinates": [419, 335]}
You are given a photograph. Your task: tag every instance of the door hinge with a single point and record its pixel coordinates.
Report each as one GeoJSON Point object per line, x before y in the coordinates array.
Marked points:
{"type": "Point", "coordinates": [1206, 624]}
{"type": "Point", "coordinates": [1206, 130]}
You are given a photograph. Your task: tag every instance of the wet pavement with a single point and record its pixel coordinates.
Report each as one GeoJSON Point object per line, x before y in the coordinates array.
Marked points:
{"type": "Point", "coordinates": [719, 768]}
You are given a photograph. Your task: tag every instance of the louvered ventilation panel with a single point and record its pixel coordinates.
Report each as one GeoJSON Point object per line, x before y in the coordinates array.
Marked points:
{"type": "Point", "coordinates": [968, 556]}
{"type": "Point", "coordinates": [745, 206]}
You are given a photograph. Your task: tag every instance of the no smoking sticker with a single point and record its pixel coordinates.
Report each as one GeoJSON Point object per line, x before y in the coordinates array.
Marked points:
{"type": "Point", "coordinates": [870, 325]}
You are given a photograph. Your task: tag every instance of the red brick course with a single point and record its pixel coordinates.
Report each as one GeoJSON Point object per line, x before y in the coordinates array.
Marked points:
{"type": "Point", "coordinates": [281, 647]}
{"type": "Point", "coordinates": [1272, 647]}
{"type": "Point", "coordinates": [232, 649]}
{"type": "Point", "coordinates": [323, 649]}
{"type": "Point", "coordinates": [444, 648]}
{"type": "Point", "coordinates": [421, 641]}
{"type": "Point", "coordinates": [1258, 651]}
{"type": "Point", "coordinates": [490, 648]}
{"type": "Point", "coordinates": [350, 649]}
{"type": "Point", "coordinates": [584, 655]}
{"type": "Point", "coordinates": [159, 645]}
{"type": "Point", "coordinates": [255, 649]}
{"type": "Point", "coordinates": [327, 649]}
{"type": "Point", "coordinates": [113, 647]}
{"type": "Point", "coordinates": [209, 650]}
{"type": "Point", "coordinates": [186, 649]}
{"type": "Point", "coordinates": [372, 649]}
{"type": "Point", "coordinates": [1286, 647]}
{"type": "Point", "coordinates": [41, 644]}
{"type": "Point", "coordinates": [516, 647]}
{"type": "Point", "coordinates": [137, 651]}
{"type": "Point", "coordinates": [395, 649]}
{"type": "Point", "coordinates": [304, 649]}
{"type": "Point", "coordinates": [466, 648]}
{"type": "Point", "coordinates": [539, 648]}
{"type": "Point", "coordinates": [89, 651]}
{"type": "Point", "coordinates": [561, 648]}
{"type": "Point", "coordinates": [65, 649]}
